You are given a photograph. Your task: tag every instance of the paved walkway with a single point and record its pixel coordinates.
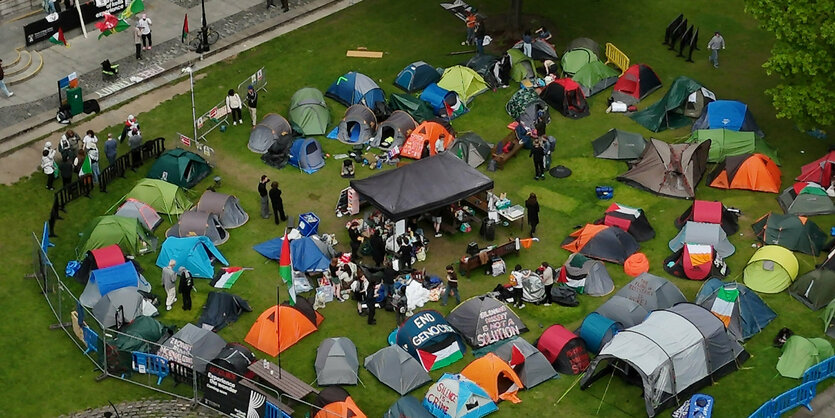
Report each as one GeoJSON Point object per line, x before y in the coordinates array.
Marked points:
{"type": "Point", "coordinates": [822, 406]}
{"type": "Point", "coordinates": [150, 408]}
{"type": "Point", "coordinates": [241, 31]}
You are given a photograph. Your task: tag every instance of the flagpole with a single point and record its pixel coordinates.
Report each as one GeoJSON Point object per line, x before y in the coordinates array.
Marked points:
{"type": "Point", "coordinates": [277, 325]}
{"type": "Point", "coordinates": [81, 18]}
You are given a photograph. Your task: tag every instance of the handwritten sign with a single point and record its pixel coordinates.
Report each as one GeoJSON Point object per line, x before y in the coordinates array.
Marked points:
{"type": "Point", "coordinates": [495, 324]}
{"type": "Point", "coordinates": [443, 397]}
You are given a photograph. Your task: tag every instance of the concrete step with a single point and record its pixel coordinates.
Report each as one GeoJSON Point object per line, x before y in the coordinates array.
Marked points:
{"type": "Point", "coordinates": [33, 66]}
{"type": "Point", "coordinates": [20, 64]}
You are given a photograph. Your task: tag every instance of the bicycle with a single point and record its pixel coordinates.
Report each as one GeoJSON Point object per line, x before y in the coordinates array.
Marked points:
{"type": "Point", "coordinates": [212, 36]}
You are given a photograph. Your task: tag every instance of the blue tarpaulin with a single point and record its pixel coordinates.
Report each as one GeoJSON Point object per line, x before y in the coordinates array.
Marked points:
{"type": "Point", "coordinates": [304, 253]}
{"type": "Point", "coordinates": [193, 253]}
{"type": "Point", "coordinates": [115, 277]}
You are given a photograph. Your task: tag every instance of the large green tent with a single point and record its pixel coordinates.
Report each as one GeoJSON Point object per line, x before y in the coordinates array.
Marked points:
{"type": "Point", "coordinates": [724, 143]}
{"type": "Point", "coordinates": [669, 111]}
{"type": "Point", "coordinates": [815, 288]}
{"type": "Point", "coordinates": [419, 109]}
{"type": "Point", "coordinates": [309, 113]}
{"type": "Point", "coordinates": [595, 77]}
{"type": "Point", "coordinates": [576, 59]}
{"type": "Point", "coordinates": [471, 148]}
{"type": "Point", "coordinates": [827, 315]}
{"type": "Point", "coordinates": [163, 197]}
{"type": "Point", "coordinates": [796, 233]}
{"type": "Point", "coordinates": [770, 270]}
{"type": "Point", "coordinates": [521, 66]}
{"type": "Point", "coordinates": [464, 81]}
{"type": "Point", "coordinates": [135, 336]}
{"type": "Point", "coordinates": [127, 233]}
{"type": "Point", "coordinates": [181, 167]}
{"type": "Point", "coordinates": [800, 353]}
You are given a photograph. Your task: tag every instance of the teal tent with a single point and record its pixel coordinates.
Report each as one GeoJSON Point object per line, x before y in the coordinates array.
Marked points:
{"type": "Point", "coordinates": [180, 167]}
{"type": "Point", "coordinates": [669, 112]}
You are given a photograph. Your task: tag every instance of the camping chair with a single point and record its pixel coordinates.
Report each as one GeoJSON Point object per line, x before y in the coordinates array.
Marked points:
{"type": "Point", "coordinates": [109, 70]}
{"type": "Point", "coordinates": [150, 364]}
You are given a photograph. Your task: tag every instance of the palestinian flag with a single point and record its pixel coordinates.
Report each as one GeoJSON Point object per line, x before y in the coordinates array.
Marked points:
{"type": "Point", "coordinates": [285, 270]}
{"type": "Point", "coordinates": [86, 167]}
{"type": "Point", "coordinates": [58, 38]}
{"type": "Point", "coordinates": [229, 277]}
{"type": "Point", "coordinates": [442, 355]}
{"type": "Point", "coordinates": [723, 305]}
{"type": "Point", "coordinates": [185, 28]}
{"type": "Point", "coordinates": [134, 7]}
{"type": "Point", "coordinates": [110, 25]}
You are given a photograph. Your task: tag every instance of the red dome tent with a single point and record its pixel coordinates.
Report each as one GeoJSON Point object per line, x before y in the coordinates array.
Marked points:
{"type": "Point", "coordinates": [819, 171]}
{"type": "Point", "coordinates": [565, 350]}
{"type": "Point", "coordinates": [636, 83]}
{"type": "Point", "coordinates": [99, 259]}
{"type": "Point", "coordinates": [710, 213]}
{"type": "Point", "coordinates": [566, 96]}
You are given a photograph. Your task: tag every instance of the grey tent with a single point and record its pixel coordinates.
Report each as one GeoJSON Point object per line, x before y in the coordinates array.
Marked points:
{"type": "Point", "coordinates": [805, 199]}
{"type": "Point", "coordinates": [586, 276]}
{"type": "Point", "coordinates": [471, 148]}
{"type": "Point", "coordinates": [308, 112]}
{"type": "Point", "coordinates": [336, 362]}
{"type": "Point", "coordinates": [273, 128]}
{"type": "Point", "coordinates": [674, 352]}
{"type": "Point", "coordinates": [584, 43]}
{"type": "Point", "coordinates": [673, 109]}
{"type": "Point", "coordinates": [472, 319]}
{"type": "Point", "coordinates": [486, 66]}
{"type": "Point", "coordinates": [105, 280]}
{"type": "Point", "coordinates": [748, 314]}
{"type": "Point", "coordinates": [145, 214]}
{"type": "Point", "coordinates": [703, 233]}
{"type": "Point", "coordinates": [393, 131]}
{"type": "Point", "coordinates": [193, 223]}
{"type": "Point", "coordinates": [192, 347]}
{"type": "Point", "coordinates": [541, 50]}
{"type": "Point", "coordinates": [669, 169]}
{"type": "Point", "coordinates": [397, 369]}
{"type": "Point", "coordinates": [644, 294]}
{"type": "Point", "coordinates": [416, 188]}
{"type": "Point", "coordinates": [815, 288]}
{"type": "Point", "coordinates": [407, 407]}
{"type": "Point", "coordinates": [535, 369]}
{"type": "Point", "coordinates": [533, 291]}
{"type": "Point", "coordinates": [358, 126]}
{"type": "Point", "coordinates": [619, 145]}
{"type": "Point", "coordinates": [226, 207]}
{"type": "Point", "coordinates": [120, 306]}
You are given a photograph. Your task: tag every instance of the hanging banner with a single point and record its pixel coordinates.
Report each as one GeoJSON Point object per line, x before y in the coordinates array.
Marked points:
{"type": "Point", "coordinates": [225, 393]}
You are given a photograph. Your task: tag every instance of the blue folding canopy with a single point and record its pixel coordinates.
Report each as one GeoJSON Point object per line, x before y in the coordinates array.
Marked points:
{"type": "Point", "coordinates": [193, 253]}
{"type": "Point", "coordinates": [304, 253]}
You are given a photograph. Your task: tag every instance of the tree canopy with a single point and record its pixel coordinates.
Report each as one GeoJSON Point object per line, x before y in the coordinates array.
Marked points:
{"type": "Point", "coordinates": [803, 57]}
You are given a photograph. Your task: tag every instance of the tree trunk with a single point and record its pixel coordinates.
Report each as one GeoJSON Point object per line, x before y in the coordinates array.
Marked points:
{"type": "Point", "coordinates": [515, 15]}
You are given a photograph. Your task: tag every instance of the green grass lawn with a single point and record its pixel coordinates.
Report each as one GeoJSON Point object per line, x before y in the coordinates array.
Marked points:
{"type": "Point", "coordinates": [45, 375]}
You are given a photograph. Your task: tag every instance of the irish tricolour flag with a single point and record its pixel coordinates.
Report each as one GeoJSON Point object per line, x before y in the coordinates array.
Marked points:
{"type": "Point", "coordinates": [86, 167]}
{"type": "Point", "coordinates": [229, 277]}
{"type": "Point", "coordinates": [723, 305]}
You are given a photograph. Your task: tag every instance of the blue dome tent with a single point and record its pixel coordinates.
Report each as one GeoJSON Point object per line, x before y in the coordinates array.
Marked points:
{"type": "Point", "coordinates": [356, 88]}
{"type": "Point", "coordinates": [193, 253]}
{"type": "Point", "coordinates": [306, 155]}
{"type": "Point", "coordinates": [728, 114]}
{"type": "Point", "coordinates": [440, 98]}
{"type": "Point", "coordinates": [416, 76]}
{"type": "Point", "coordinates": [304, 253]}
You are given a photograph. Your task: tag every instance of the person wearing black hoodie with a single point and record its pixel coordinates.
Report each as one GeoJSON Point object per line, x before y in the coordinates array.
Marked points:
{"type": "Point", "coordinates": [538, 155]}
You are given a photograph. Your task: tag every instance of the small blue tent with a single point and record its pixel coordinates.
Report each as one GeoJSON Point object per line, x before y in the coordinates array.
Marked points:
{"type": "Point", "coordinates": [728, 114]}
{"type": "Point", "coordinates": [439, 98]}
{"type": "Point", "coordinates": [596, 330]}
{"type": "Point", "coordinates": [306, 155]}
{"type": "Point", "coordinates": [304, 253]}
{"type": "Point", "coordinates": [454, 395]}
{"type": "Point", "coordinates": [356, 88]}
{"type": "Point", "coordinates": [193, 253]}
{"type": "Point", "coordinates": [749, 314]}
{"type": "Point", "coordinates": [105, 280]}
{"type": "Point", "coordinates": [416, 76]}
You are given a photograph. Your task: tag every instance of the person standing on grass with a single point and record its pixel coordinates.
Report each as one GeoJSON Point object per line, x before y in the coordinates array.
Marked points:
{"type": "Point", "coordinates": [451, 286]}
{"type": "Point", "coordinates": [480, 33]}
{"type": "Point", "coordinates": [378, 248]}
{"type": "Point", "coordinates": [110, 149]}
{"type": "Point", "coordinates": [48, 165]}
{"type": "Point", "coordinates": [716, 42]}
{"type": "Point", "coordinates": [538, 155]}
{"type": "Point", "coordinates": [527, 47]}
{"type": "Point", "coordinates": [252, 103]}
{"type": "Point", "coordinates": [371, 300]}
{"type": "Point", "coordinates": [144, 25]}
{"type": "Point", "coordinates": [547, 277]}
{"type": "Point", "coordinates": [233, 106]}
{"type": "Point", "coordinates": [91, 146]}
{"type": "Point", "coordinates": [355, 237]}
{"type": "Point", "coordinates": [3, 87]}
{"type": "Point", "coordinates": [532, 206]}
{"type": "Point", "coordinates": [278, 204]}
{"type": "Point", "coordinates": [185, 287]}
{"type": "Point", "coordinates": [137, 42]}
{"type": "Point", "coordinates": [68, 144]}
{"type": "Point", "coordinates": [265, 200]}
{"type": "Point", "coordinates": [169, 282]}
{"type": "Point", "coordinates": [516, 277]}
{"type": "Point", "coordinates": [66, 170]}
{"type": "Point", "coordinates": [470, 21]}
{"type": "Point", "coordinates": [135, 144]}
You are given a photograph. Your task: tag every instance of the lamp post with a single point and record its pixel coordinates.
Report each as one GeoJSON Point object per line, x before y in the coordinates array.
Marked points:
{"type": "Point", "coordinates": [204, 31]}
{"type": "Point", "coordinates": [190, 72]}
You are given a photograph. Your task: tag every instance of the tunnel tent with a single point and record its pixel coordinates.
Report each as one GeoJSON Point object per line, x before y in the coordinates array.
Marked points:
{"type": "Point", "coordinates": [636, 83]}
{"type": "Point", "coordinates": [164, 197]}
{"type": "Point", "coordinates": [226, 207]}
{"type": "Point", "coordinates": [464, 81]}
{"type": "Point", "coordinates": [740, 309]}
{"type": "Point", "coordinates": [675, 352]}
{"type": "Point", "coordinates": [672, 170]}
{"type": "Point", "coordinates": [726, 143]}
{"type": "Point", "coordinates": [356, 88]}
{"type": "Point", "coordinates": [418, 109]}
{"type": "Point", "coordinates": [595, 77]}
{"type": "Point", "coordinates": [526, 360]}
{"type": "Point", "coordinates": [431, 340]}
{"type": "Point", "coordinates": [563, 349]}
{"type": "Point", "coordinates": [619, 145]}
{"type": "Point", "coordinates": [336, 362]}
{"type": "Point", "coordinates": [644, 294]}
{"type": "Point", "coordinates": [195, 253]}
{"type": "Point", "coordinates": [728, 114]}
{"type": "Point", "coordinates": [145, 214]}
{"type": "Point", "coordinates": [703, 233]}
{"type": "Point", "coordinates": [416, 76]}
{"type": "Point", "coordinates": [127, 233]}
{"type": "Point", "coordinates": [393, 131]}
{"type": "Point", "coordinates": [712, 212]}
{"type": "Point", "coordinates": [675, 109]}
{"type": "Point", "coordinates": [193, 223]}
{"type": "Point", "coordinates": [771, 269]}
{"type": "Point", "coordinates": [271, 129]}
{"type": "Point", "coordinates": [796, 233]}
{"type": "Point", "coordinates": [541, 50]}
{"type": "Point", "coordinates": [306, 154]}
{"type": "Point", "coordinates": [181, 167]}
{"type": "Point", "coordinates": [309, 114]}
{"type": "Point", "coordinates": [471, 148]}
{"type": "Point", "coordinates": [358, 125]}
{"type": "Point", "coordinates": [806, 199]}
{"type": "Point", "coordinates": [395, 368]}
{"type": "Point", "coordinates": [472, 316]}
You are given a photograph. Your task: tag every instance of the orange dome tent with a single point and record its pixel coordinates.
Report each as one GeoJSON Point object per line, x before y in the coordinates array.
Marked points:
{"type": "Point", "coordinates": [495, 376]}
{"type": "Point", "coordinates": [426, 132]}
{"type": "Point", "coordinates": [746, 172]}
{"type": "Point", "coordinates": [281, 326]}
{"type": "Point", "coordinates": [335, 401]}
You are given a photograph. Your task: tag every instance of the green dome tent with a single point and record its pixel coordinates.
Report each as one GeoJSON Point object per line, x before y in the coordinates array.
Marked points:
{"type": "Point", "coordinates": [163, 197]}
{"type": "Point", "coordinates": [669, 112]}
{"type": "Point", "coordinates": [595, 77]}
{"type": "Point", "coordinates": [797, 233]}
{"type": "Point", "coordinates": [419, 109]}
{"type": "Point", "coordinates": [521, 67]}
{"type": "Point", "coordinates": [770, 270]}
{"type": "Point", "coordinates": [575, 59]}
{"type": "Point", "coordinates": [800, 353]}
{"type": "Point", "coordinates": [180, 167]}
{"type": "Point", "coordinates": [464, 81]}
{"type": "Point", "coordinates": [724, 143]}
{"type": "Point", "coordinates": [127, 233]}
{"type": "Point", "coordinates": [471, 148]}
{"type": "Point", "coordinates": [309, 113]}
